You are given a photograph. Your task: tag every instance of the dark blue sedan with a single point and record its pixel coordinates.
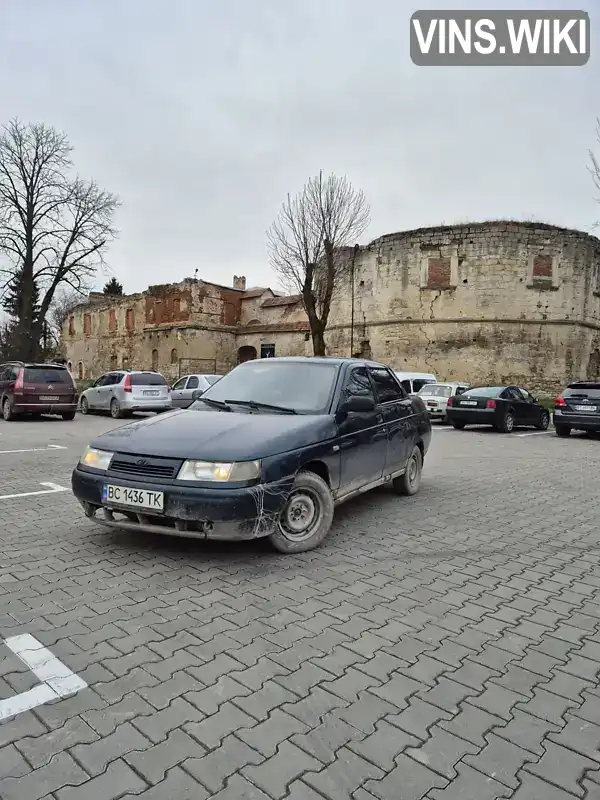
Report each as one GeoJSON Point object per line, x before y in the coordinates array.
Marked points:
{"type": "Point", "coordinates": [269, 450]}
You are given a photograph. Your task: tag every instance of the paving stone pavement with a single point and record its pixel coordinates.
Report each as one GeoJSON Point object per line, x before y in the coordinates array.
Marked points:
{"type": "Point", "coordinates": [445, 646]}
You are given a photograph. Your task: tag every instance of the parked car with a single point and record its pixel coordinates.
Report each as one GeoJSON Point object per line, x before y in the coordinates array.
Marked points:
{"type": "Point", "coordinates": [435, 396]}
{"type": "Point", "coordinates": [502, 407]}
{"type": "Point", "coordinates": [269, 450]}
{"type": "Point", "coordinates": [122, 392]}
{"type": "Point", "coordinates": [412, 382]}
{"type": "Point", "coordinates": [27, 388]}
{"type": "Point", "coordinates": [578, 408]}
{"type": "Point", "coordinates": [182, 392]}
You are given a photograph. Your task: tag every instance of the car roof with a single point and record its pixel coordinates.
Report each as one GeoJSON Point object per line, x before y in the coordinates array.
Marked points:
{"type": "Point", "coordinates": [416, 375]}
{"type": "Point", "coordinates": [36, 364]}
{"type": "Point", "coordinates": [448, 383]}
{"type": "Point", "coordinates": [336, 360]}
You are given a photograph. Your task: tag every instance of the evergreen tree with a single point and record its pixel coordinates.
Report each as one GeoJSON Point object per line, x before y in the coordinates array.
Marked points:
{"type": "Point", "coordinates": [113, 287]}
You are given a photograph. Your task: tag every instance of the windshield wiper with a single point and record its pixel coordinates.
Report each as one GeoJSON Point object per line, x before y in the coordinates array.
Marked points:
{"type": "Point", "coordinates": [267, 407]}
{"type": "Point", "coordinates": [216, 403]}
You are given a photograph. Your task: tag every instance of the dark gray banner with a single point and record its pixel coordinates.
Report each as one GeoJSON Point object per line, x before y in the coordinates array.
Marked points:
{"type": "Point", "coordinates": [500, 38]}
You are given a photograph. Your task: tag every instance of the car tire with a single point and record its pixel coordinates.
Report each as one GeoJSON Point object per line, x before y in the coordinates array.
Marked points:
{"type": "Point", "coordinates": [562, 431]}
{"type": "Point", "coordinates": [115, 409]}
{"type": "Point", "coordinates": [458, 426]}
{"type": "Point", "coordinates": [544, 422]}
{"type": "Point", "coordinates": [409, 483]}
{"type": "Point", "coordinates": [508, 423]}
{"type": "Point", "coordinates": [84, 406]}
{"type": "Point", "coordinates": [68, 416]}
{"type": "Point", "coordinates": [8, 415]}
{"type": "Point", "coordinates": [311, 496]}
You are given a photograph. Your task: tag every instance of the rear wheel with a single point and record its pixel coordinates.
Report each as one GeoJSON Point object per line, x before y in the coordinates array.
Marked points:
{"type": "Point", "coordinates": [68, 416]}
{"type": "Point", "coordinates": [459, 426]}
{"type": "Point", "coordinates": [508, 423]}
{"type": "Point", "coordinates": [7, 410]}
{"type": "Point", "coordinates": [544, 422]}
{"type": "Point", "coordinates": [84, 406]}
{"type": "Point", "coordinates": [115, 409]}
{"type": "Point", "coordinates": [410, 482]}
{"type": "Point", "coordinates": [562, 431]}
{"type": "Point", "coordinates": [307, 516]}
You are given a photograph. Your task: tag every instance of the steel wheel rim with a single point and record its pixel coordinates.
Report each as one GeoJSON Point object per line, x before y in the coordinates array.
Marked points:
{"type": "Point", "coordinates": [413, 471]}
{"type": "Point", "coordinates": [114, 409]}
{"type": "Point", "coordinates": [301, 516]}
{"type": "Point", "coordinates": [6, 409]}
{"type": "Point", "coordinates": [84, 405]}
{"type": "Point", "coordinates": [545, 421]}
{"type": "Point", "coordinates": [510, 423]}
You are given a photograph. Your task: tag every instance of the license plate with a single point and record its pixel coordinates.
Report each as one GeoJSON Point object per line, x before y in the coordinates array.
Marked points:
{"type": "Point", "coordinates": [469, 403]}
{"type": "Point", "coordinates": [432, 405]}
{"type": "Point", "coordinates": [150, 394]}
{"type": "Point", "coordinates": [135, 498]}
{"type": "Point", "coordinates": [49, 398]}
{"type": "Point", "coordinates": [585, 408]}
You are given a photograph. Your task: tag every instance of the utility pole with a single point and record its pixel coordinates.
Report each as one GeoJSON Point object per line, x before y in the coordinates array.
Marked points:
{"type": "Point", "coordinates": [356, 247]}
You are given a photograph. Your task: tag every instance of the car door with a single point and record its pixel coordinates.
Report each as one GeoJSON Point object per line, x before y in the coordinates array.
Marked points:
{"type": "Point", "coordinates": [192, 384]}
{"type": "Point", "coordinates": [363, 436]}
{"type": "Point", "coordinates": [177, 392]}
{"type": "Point", "coordinates": [105, 390]}
{"type": "Point", "coordinates": [531, 411]}
{"type": "Point", "coordinates": [396, 407]}
{"type": "Point", "coordinates": [517, 402]}
{"type": "Point", "coordinates": [92, 394]}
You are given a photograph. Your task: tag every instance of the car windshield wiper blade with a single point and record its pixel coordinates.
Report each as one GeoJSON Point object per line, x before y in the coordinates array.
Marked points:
{"type": "Point", "coordinates": [257, 405]}
{"type": "Point", "coordinates": [216, 403]}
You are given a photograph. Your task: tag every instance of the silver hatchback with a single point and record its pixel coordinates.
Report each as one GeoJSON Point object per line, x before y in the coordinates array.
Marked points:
{"type": "Point", "coordinates": [122, 392]}
{"type": "Point", "coordinates": [183, 392]}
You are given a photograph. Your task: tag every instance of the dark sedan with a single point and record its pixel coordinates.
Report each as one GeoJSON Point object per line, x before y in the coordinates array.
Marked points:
{"type": "Point", "coordinates": [269, 450]}
{"type": "Point", "coordinates": [578, 408]}
{"type": "Point", "coordinates": [502, 407]}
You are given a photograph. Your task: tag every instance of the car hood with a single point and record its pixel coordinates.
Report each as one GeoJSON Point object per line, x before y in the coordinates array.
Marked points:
{"type": "Point", "coordinates": [217, 435]}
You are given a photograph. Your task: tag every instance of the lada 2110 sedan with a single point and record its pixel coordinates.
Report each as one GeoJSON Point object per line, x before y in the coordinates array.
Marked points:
{"type": "Point", "coordinates": [269, 450]}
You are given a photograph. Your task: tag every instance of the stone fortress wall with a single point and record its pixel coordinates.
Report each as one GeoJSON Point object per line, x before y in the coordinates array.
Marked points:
{"type": "Point", "coordinates": [510, 302]}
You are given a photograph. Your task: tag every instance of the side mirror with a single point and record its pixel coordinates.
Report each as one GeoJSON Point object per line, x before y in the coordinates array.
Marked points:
{"type": "Point", "coordinates": [196, 394]}
{"type": "Point", "coordinates": [358, 404]}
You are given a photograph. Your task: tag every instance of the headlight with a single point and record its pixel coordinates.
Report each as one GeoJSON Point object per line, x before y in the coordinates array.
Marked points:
{"type": "Point", "coordinates": [219, 473]}
{"type": "Point", "coordinates": [97, 459]}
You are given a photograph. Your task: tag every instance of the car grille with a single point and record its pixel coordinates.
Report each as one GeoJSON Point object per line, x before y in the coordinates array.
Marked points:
{"type": "Point", "coordinates": [145, 467]}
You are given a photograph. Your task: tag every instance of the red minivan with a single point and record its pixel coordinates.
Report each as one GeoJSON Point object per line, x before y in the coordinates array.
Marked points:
{"type": "Point", "coordinates": [36, 389]}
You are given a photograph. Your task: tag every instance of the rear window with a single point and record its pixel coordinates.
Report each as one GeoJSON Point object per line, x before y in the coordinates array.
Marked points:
{"type": "Point", "coordinates": [584, 386]}
{"type": "Point", "coordinates": [47, 375]}
{"type": "Point", "coordinates": [436, 390]}
{"type": "Point", "coordinates": [484, 391]}
{"type": "Point", "coordinates": [148, 379]}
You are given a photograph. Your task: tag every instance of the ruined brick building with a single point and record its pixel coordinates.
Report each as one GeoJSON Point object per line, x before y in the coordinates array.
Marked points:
{"type": "Point", "coordinates": [495, 301]}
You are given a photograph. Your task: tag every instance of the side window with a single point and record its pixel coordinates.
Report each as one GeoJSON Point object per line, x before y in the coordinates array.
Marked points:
{"type": "Point", "coordinates": [386, 385]}
{"type": "Point", "coordinates": [461, 389]}
{"type": "Point", "coordinates": [180, 383]}
{"type": "Point", "coordinates": [4, 373]}
{"type": "Point", "coordinates": [406, 386]}
{"type": "Point", "coordinates": [418, 385]}
{"type": "Point", "coordinates": [513, 394]}
{"type": "Point", "coordinates": [101, 381]}
{"type": "Point", "coordinates": [527, 397]}
{"type": "Point", "coordinates": [193, 382]}
{"type": "Point", "coordinates": [358, 383]}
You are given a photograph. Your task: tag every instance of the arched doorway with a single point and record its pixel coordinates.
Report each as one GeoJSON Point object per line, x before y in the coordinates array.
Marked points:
{"type": "Point", "coordinates": [246, 353]}
{"type": "Point", "coordinates": [155, 359]}
{"type": "Point", "coordinates": [80, 371]}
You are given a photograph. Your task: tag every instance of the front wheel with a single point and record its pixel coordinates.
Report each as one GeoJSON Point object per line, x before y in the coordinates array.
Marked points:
{"type": "Point", "coordinates": [544, 422]}
{"type": "Point", "coordinates": [307, 516]}
{"type": "Point", "coordinates": [410, 481]}
{"type": "Point", "coordinates": [562, 431]}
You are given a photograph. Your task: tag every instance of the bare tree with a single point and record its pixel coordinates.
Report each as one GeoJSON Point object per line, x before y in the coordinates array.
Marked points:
{"type": "Point", "coordinates": [309, 243]}
{"type": "Point", "coordinates": [64, 302]}
{"type": "Point", "coordinates": [594, 166]}
{"type": "Point", "coordinates": [54, 227]}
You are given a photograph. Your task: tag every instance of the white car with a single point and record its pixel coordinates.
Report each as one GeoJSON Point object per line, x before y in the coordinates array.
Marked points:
{"type": "Point", "coordinates": [435, 396]}
{"type": "Point", "coordinates": [413, 381]}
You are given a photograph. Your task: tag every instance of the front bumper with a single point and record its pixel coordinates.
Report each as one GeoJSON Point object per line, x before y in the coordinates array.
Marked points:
{"type": "Point", "coordinates": [193, 512]}
{"type": "Point", "coordinates": [579, 422]}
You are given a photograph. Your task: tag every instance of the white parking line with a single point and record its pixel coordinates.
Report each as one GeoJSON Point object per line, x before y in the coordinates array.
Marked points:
{"type": "Point", "coordinates": [535, 433]}
{"type": "Point", "coordinates": [52, 488]}
{"type": "Point", "coordinates": [57, 680]}
{"type": "Point", "coordinates": [36, 449]}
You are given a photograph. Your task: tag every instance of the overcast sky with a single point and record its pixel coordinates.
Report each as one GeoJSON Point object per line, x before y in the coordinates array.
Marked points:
{"type": "Point", "coordinates": [203, 114]}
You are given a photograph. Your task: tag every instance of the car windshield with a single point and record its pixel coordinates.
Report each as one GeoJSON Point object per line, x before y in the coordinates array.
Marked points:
{"type": "Point", "coordinates": [483, 391]}
{"type": "Point", "coordinates": [436, 390]}
{"type": "Point", "coordinates": [306, 387]}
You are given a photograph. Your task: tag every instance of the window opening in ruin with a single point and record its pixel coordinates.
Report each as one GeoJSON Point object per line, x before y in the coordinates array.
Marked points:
{"type": "Point", "coordinates": [113, 362]}
{"type": "Point", "coordinates": [80, 371]}
{"type": "Point", "coordinates": [112, 320]}
{"type": "Point", "coordinates": [174, 356]}
{"type": "Point", "coordinates": [542, 267]}
{"type": "Point", "coordinates": [129, 320]}
{"type": "Point", "coordinates": [439, 273]}
{"type": "Point", "coordinates": [155, 359]}
{"type": "Point", "coordinates": [87, 324]}
{"type": "Point", "coordinates": [71, 326]}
